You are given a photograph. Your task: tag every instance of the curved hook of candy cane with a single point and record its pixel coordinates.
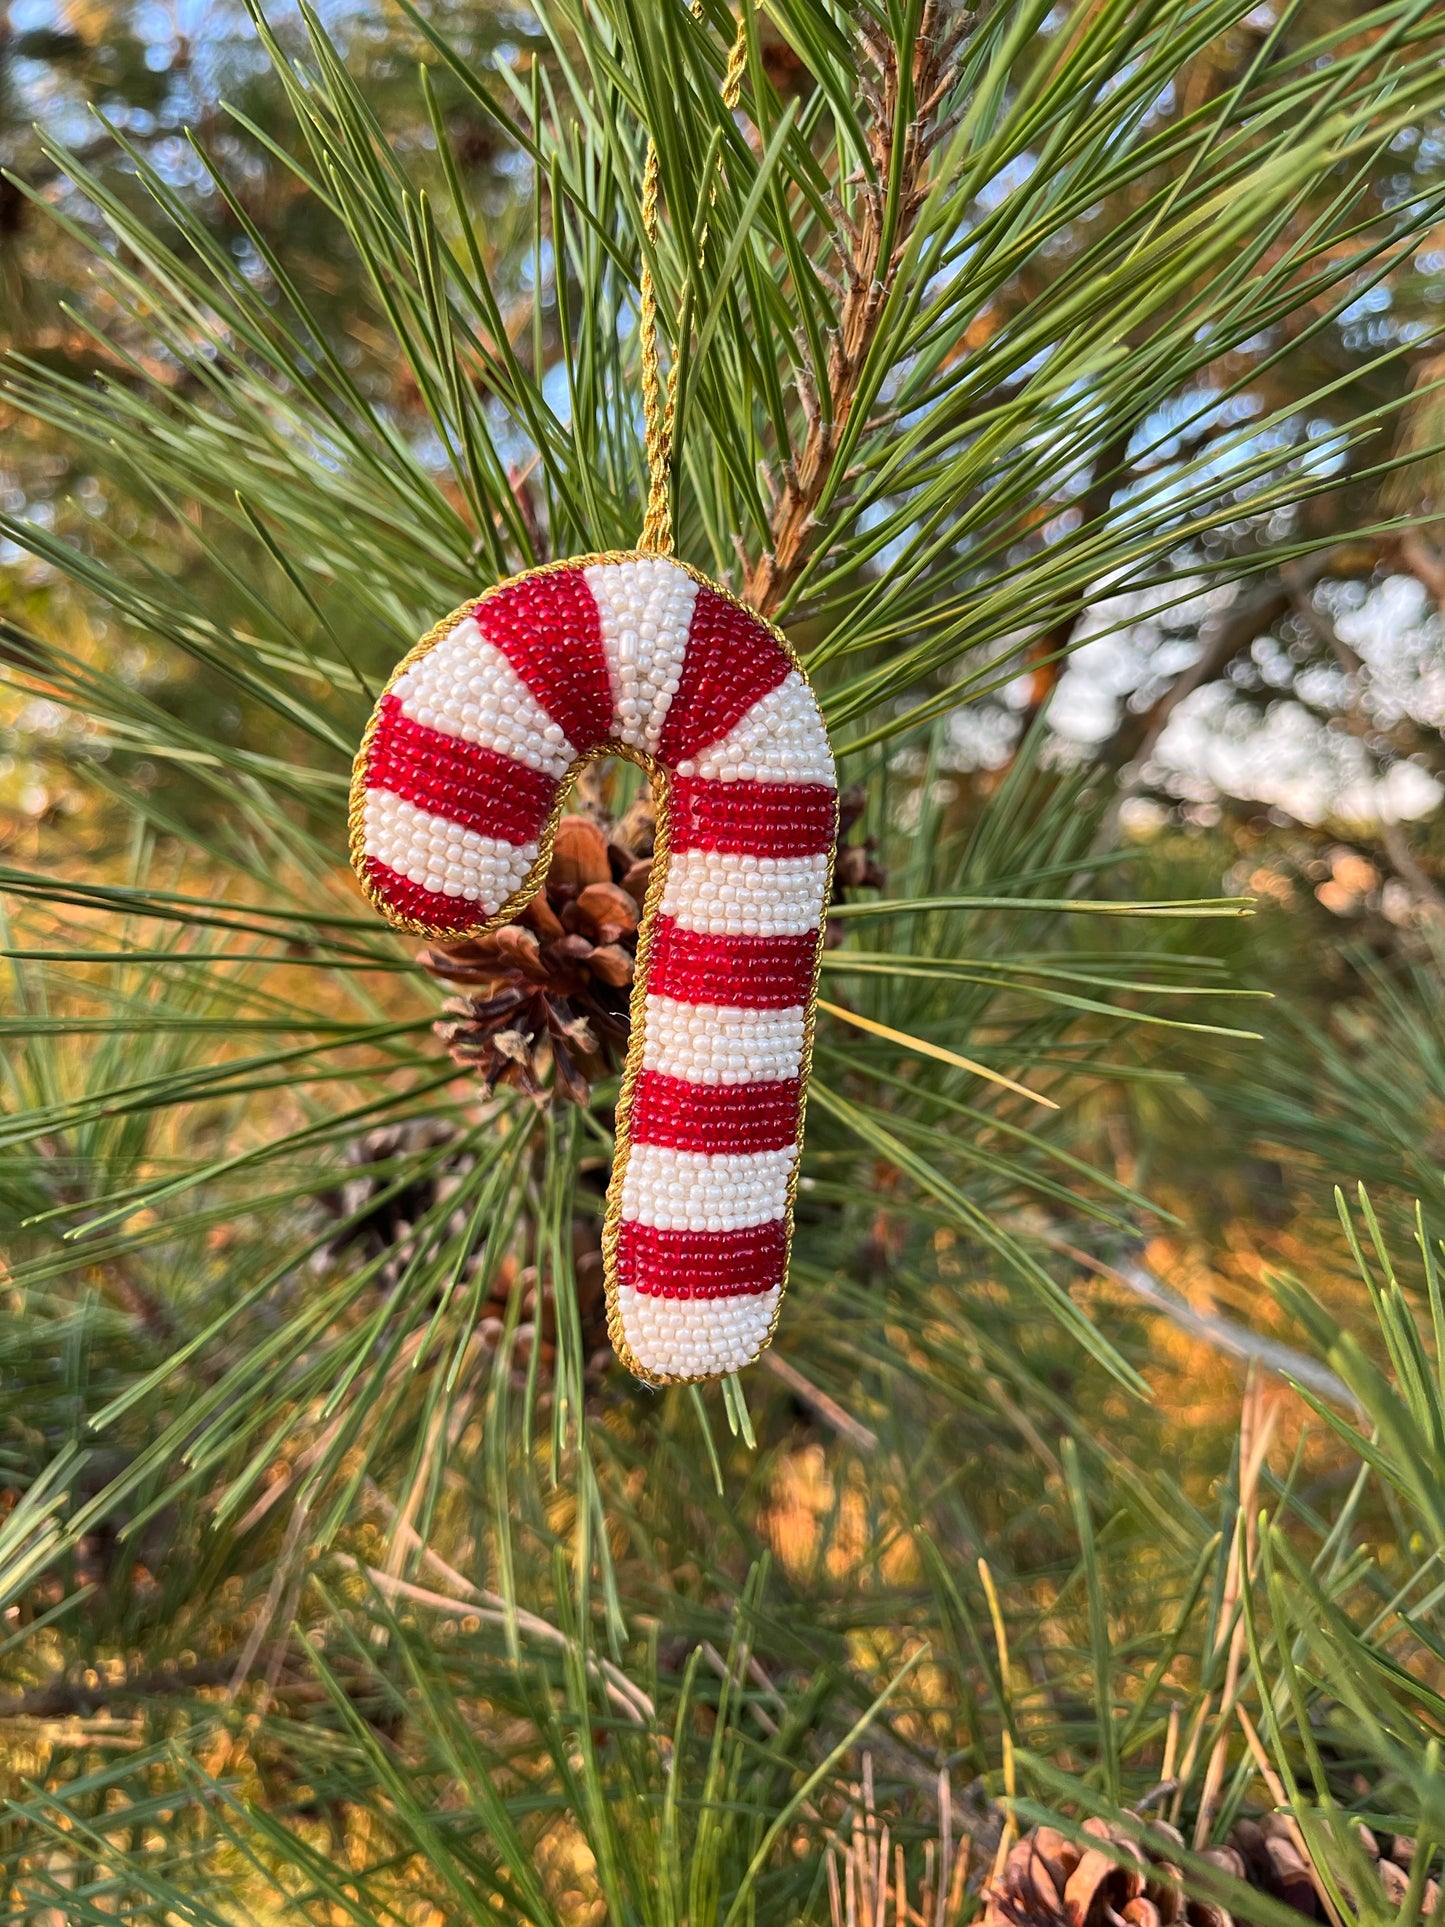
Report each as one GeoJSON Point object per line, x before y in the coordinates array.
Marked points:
{"type": "Point", "coordinates": [461, 779]}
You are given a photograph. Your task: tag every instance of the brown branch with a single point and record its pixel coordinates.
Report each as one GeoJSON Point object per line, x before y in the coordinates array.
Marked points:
{"type": "Point", "coordinates": [1283, 1805]}
{"type": "Point", "coordinates": [1411, 871]}
{"type": "Point", "coordinates": [1396, 845]}
{"type": "Point", "coordinates": [144, 1305]}
{"type": "Point", "coordinates": [1252, 614]}
{"type": "Point", "coordinates": [64, 1698]}
{"type": "Point", "coordinates": [869, 280]}
{"type": "Point", "coordinates": [286, 1582]}
{"type": "Point", "coordinates": [827, 1409]}
{"type": "Point", "coordinates": [1425, 563]}
{"type": "Point", "coordinates": [629, 1700]}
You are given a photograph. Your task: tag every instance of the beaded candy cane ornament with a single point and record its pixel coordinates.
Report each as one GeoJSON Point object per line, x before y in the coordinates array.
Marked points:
{"type": "Point", "coordinates": [458, 787]}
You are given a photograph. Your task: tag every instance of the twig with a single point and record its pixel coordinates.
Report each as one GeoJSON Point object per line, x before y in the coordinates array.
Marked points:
{"type": "Point", "coordinates": [1252, 613]}
{"type": "Point", "coordinates": [869, 278]}
{"type": "Point", "coordinates": [1420, 558]}
{"type": "Point", "coordinates": [1406, 864]}
{"type": "Point", "coordinates": [945, 1844]}
{"type": "Point", "coordinates": [292, 1553]}
{"type": "Point", "coordinates": [827, 1409]}
{"type": "Point", "coordinates": [1281, 1800]}
{"type": "Point", "coordinates": [1237, 1341]}
{"type": "Point", "coordinates": [1010, 1826]}
{"type": "Point", "coordinates": [63, 1698]}
{"type": "Point", "coordinates": [1256, 1428]}
{"type": "Point", "coordinates": [404, 1533]}
{"type": "Point", "coordinates": [476, 1597]}
{"type": "Point", "coordinates": [1410, 870]}
{"type": "Point", "coordinates": [630, 1700]}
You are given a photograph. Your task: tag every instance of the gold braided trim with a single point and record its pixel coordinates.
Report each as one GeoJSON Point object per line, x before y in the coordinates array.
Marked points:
{"type": "Point", "coordinates": [660, 777]}
{"type": "Point", "coordinates": [659, 407]}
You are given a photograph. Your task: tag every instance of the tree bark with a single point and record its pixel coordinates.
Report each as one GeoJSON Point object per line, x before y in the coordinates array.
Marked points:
{"type": "Point", "coordinates": [1252, 614]}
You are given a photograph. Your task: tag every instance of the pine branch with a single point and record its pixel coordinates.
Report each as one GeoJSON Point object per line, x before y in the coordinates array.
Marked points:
{"type": "Point", "coordinates": [66, 1698]}
{"type": "Point", "coordinates": [862, 244]}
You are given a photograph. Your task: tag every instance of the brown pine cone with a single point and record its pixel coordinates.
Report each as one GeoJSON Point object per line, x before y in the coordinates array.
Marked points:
{"type": "Point", "coordinates": [382, 1222]}
{"type": "Point", "coordinates": [1050, 1881]}
{"type": "Point", "coordinates": [553, 987]}
{"type": "Point", "coordinates": [856, 865]}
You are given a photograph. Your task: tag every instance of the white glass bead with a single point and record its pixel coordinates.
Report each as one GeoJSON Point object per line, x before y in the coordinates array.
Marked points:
{"type": "Point", "coordinates": [719, 1044]}
{"type": "Point", "coordinates": [781, 739]}
{"type": "Point", "coordinates": [718, 893]}
{"type": "Point", "coordinates": [464, 686]}
{"type": "Point", "coordinates": [644, 608]}
{"type": "Point", "coordinates": [441, 856]}
{"type": "Point", "coordinates": [693, 1337]}
{"type": "Point", "coordinates": [690, 1191]}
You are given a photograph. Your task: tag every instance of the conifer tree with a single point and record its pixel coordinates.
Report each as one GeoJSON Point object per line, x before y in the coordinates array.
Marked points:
{"type": "Point", "coordinates": [347, 1578]}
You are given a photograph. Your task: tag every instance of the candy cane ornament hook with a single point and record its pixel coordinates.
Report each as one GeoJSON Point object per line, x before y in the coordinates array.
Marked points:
{"type": "Point", "coordinates": [458, 787]}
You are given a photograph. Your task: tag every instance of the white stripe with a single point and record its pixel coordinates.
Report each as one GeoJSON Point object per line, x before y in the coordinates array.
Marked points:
{"type": "Point", "coordinates": [644, 607]}
{"type": "Point", "coordinates": [719, 1044]}
{"type": "Point", "coordinates": [690, 1191]}
{"type": "Point", "coordinates": [695, 1337]}
{"type": "Point", "coordinates": [781, 739]}
{"type": "Point", "coordinates": [724, 894]}
{"type": "Point", "coordinates": [441, 855]}
{"type": "Point", "coordinates": [464, 686]}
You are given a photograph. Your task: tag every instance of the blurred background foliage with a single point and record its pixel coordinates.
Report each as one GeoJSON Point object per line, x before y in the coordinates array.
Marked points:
{"type": "Point", "coordinates": [1067, 380]}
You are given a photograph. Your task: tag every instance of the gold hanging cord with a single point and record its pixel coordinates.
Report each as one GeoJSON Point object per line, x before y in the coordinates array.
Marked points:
{"type": "Point", "coordinates": [659, 403]}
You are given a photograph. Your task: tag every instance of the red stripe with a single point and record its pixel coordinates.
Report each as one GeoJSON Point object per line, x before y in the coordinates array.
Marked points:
{"type": "Point", "coordinates": [714, 1117]}
{"type": "Point", "coordinates": [702, 1264]}
{"type": "Point", "coordinates": [749, 973]}
{"type": "Point", "coordinates": [753, 819]}
{"type": "Point", "coordinates": [732, 659]}
{"type": "Point", "coordinates": [548, 629]}
{"type": "Point", "coordinates": [478, 788]}
{"type": "Point", "coordinates": [446, 916]}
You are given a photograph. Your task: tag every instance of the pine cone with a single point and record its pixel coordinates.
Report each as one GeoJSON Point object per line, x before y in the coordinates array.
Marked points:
{"type": "Point", "coordinates": [379, 1217]}
{"type": "Point", "coordinates": [382, 1221]}
{"type": "Point", "coordinates": [1050, 1881]}
{"type": "Point", "coordinates": [856, 865]}
{"type": "Point", "coordinates": [554, 984]}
